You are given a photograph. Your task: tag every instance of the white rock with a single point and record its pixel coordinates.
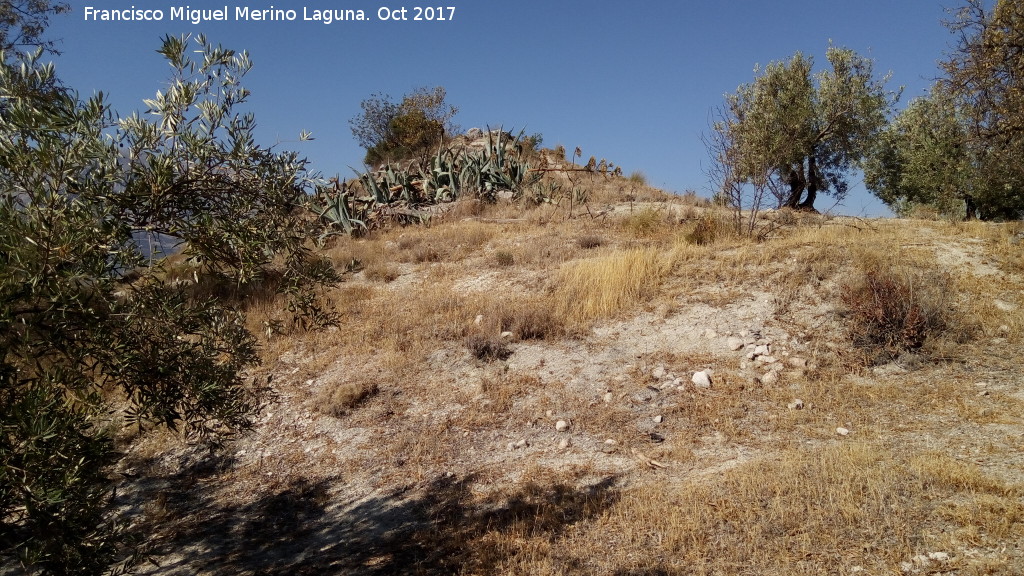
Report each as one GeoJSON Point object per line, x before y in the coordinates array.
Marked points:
{"type": "Point", "coordinates": [479, 319]}
{"type": "Point", "coordinates": [608, 397]}
{"type": "Point", "coordinates": [938, 556]}
{"type": "Point", "coordinates": [564, 443]}
{"type": "Point", "coordinates": [659, 372]}
{"type": "Point", "coordinates": [767, 359]}
{"type": "Point", "coordinates": [506, 335]}
{"type": "Point", "coordinates": [522, 443]}
{"type": "Point", "coordinates": [679, 382]}
{"type": "Point", "coordinates": [751, 355]}
{"type": "Point", "coordinates": [561, 425]}
{"type": "Point", "coordinates": [842, 431]}
{"type": "Point", "coordinates": [797, 404]}
{"type": "Point", "coordinates": [659, 419]}
{"type": "Point", "coordinates": [701, 379]}
{"type": "Point", "coordinates": [610, 442]}
{"type": "Point", "coordinates": [770, 378]}
{"type": "Point", "coordinates": [762, 350]}
{"type": "Point", "coordinates": [710, 334]}
{"type": "Point", "coordinates": [735, 343]}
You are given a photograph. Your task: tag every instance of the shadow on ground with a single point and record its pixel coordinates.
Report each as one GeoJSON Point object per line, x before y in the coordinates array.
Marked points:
{"type": "Point", "coordinates": [300, 529]}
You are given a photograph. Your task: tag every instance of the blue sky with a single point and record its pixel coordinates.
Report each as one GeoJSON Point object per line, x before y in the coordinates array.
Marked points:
{"type": "Point", "coordinates": [633, 82]}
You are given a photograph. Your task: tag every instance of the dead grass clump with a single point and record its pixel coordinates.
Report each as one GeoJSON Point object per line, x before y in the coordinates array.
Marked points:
{"type": "Point", "coordinates": [504, 258]}
{"type": "Point", "coordinates": [646, 222]}
{"type": "Point", "coordinates": [487, 347]}
{"type": "Point", "coordinates": [341, 399]}
{"type": "Point", "coordinates": [710, 228]}
{"type": "Point", "coordinates": [601, 287]}
{"type": "Point", "coordinates": [426, 253]}
{"type": "Point", "coordinates": [590, 241]}
{"type": "Point", "coordinates": [380, 272]}
{"type": "Point", "coordinates": [892, 309]}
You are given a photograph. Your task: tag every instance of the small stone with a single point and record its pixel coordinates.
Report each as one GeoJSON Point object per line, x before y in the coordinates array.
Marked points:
{"type": "Point", "coordinates": [701, 379]}
{"type": "Point", "coordinates": [608, 397]}
{"type": "Point", "coordinates": [710, 334]}
{"type": "Point", "coordinates": [751, 355]}
{"type": "Point", "coordinates": [659, 373]}
{"type": "Point", "coordinates": [522, 443]}
{"type": "Point", "coordinates": [762, 350]}
{"type": "Point", "coordinates": [842, 431]}
{"type": "Point", "coordinates": [797, 362]}
{"type": "Point", "coordinates": [564, 443]}
{"type": "Point", "coordinates": [679, 383]}
{"type": "Point", "coordinates": [511, 446]}
{"type": "Point", "coordinates": [767, 359]}
{"type": "Point", "coordinates": [1004, 329]}
{"type": "Point", "coordinates": [735, 343]}
{"type": "Point", "coordinates": [479, 319]}
{"type": "Point", "coordinates": [770, 378]}
{"type": "Point", "coordinates": [938, 556]}
{"type": "Point", "coordinates": [506, 335]}
{"type": "Point", "coordinates": [610, 442]}
{"type": "Point", "coordinates": [561, 425]}
{"type": "Point", "coordinates": [797, 404]}
{"type": "Point", "coordinates": [659, 419]}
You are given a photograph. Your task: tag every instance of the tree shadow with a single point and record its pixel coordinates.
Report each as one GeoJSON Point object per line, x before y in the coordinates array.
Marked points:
{"type": "Point", "coordinates": [302, 528]}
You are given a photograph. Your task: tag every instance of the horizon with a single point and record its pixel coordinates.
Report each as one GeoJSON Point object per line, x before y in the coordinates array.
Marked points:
{"type": "Point", "coordinates": [633, 84]}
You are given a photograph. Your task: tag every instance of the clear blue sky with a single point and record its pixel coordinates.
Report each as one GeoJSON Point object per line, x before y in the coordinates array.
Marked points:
{"type": "Point", "coordinates": [633, 82]}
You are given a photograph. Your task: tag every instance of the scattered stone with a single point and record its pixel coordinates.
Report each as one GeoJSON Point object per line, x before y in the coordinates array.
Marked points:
{"type": "Point", "coordinates": [610, 442]}
{"type": "Point", "coordinates": [679, 383]}
{"type": "Point", "coordinates": [479, 319]}
{"type": "Point", "coordinates": [564, 443]}
{"type": "Point", "coordinates": [506, 335]}
{"type": "Point", "coordinates": [938, 556]}
{"type": "Point", "coordinates": [767, 359]}
{"type": "Point", "coordinates": [797, 362]}
{"type": "Point", "coordinates": [797, 404]}
{"type": "Point", "coordinates": [842, 431]}
{"type": "Point", "coordinates": [1004, 329]}
{"type": "Point", "coordinates": [770, 378]}
{"type": "Point", "coordinates": [474, 133]}
{"type": "Point", "coordinates": [735, 344]}
{"type": "Point", "coordinates": [751, 355]}
{"type": "Point", "coordinates": [561, 425]}
{"type": "Point", "coordinates": [710, 334]}
{"type": "Point", "coordinates": [659, 419]}
{"type": "Point", "coordinates": [656, 438]}
{"type": "Point", "coordinates": [659, 373]}
{"type": "Point", "coordinates": [762, 350]}
{"type": "Point", "coordinates": [701, 379]}
{"type": "Point", "coordinates": [608, 397]}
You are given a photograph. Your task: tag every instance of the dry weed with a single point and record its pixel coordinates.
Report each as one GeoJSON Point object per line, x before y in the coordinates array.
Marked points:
{"type": "Point", "coordinates": [603, 286]}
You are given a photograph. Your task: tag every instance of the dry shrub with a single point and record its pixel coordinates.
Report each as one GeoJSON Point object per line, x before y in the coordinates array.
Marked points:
{"type": "Point", "coordinates": [710, 228]}
{"type": "Point", "coordinates": [590, 241]}
{"type": "Point", "coordinates": [504, 258]}
{"type": "Point", "coordinates": [339, 400]}
{"type": "Point", "coordinates": [601, 287]}
{"type": "Point", "coordinates": [893, 308]}
{"type": "Point", "coordinates": [381, 272]}
{"type": "Point", "coordinates": [645, 222]}
{"type": "Point", "coordinates": [488, 347]}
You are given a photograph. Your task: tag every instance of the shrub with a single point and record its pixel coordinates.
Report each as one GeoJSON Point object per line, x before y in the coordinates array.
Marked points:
{"type": "Point", "coordinates": [708, 229]}
{"type": "Point", "coordinates": [590, 241]}
{"type": "Point", "coordinates": [896, 309]}
{"type": "Point", "coordinates": [504, 258]}
{"type": "Point", "coordinates": [488, 347]}
{"type": "Point", "coordinates": [339, 400]}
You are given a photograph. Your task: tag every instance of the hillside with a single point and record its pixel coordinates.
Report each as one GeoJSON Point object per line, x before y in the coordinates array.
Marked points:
{"type": "Point", "coordinates": [624, 388]}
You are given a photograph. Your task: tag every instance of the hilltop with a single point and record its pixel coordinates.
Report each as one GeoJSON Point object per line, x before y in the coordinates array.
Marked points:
{"type": "Point", "coordinates": [626, 388]}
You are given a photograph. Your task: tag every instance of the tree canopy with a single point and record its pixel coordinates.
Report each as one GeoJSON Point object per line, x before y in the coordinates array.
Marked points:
{"type": "Point", "coordinates": [391, 130]}
{"type": "Point", "coordinates": [803, 132]}
{"type": "Point", "coordinates": [959, 150]}
{"type": "Point", "coordinates": [88, 322]}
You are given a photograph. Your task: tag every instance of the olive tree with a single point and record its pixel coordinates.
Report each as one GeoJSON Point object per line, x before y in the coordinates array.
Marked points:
{"type": "Point", "coordinates": [91, 336]}
{"type": "Point", "coordinates": [806, 131]}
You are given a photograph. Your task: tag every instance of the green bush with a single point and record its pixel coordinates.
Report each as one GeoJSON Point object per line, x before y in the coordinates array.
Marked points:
{"type": "Point", "coordinates": [85, 317]}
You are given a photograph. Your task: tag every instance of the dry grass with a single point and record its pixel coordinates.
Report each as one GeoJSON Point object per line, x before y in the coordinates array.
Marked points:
{"type": "Point", "coordinates": [606, 285]}
{"type": "Point", "coordinates": [338, 400]}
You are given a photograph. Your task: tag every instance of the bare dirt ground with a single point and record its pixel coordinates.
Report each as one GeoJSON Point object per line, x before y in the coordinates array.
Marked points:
{"type": "Point", "coordinates": [592, 450]}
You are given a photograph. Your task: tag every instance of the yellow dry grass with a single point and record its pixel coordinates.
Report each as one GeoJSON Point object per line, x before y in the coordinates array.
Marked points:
{"type": "Point", "coordinates": [603, 286]}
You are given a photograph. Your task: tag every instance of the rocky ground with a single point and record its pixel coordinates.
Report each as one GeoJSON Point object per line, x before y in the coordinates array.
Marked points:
{"type": "Point", "coordinates": [727, 408]}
